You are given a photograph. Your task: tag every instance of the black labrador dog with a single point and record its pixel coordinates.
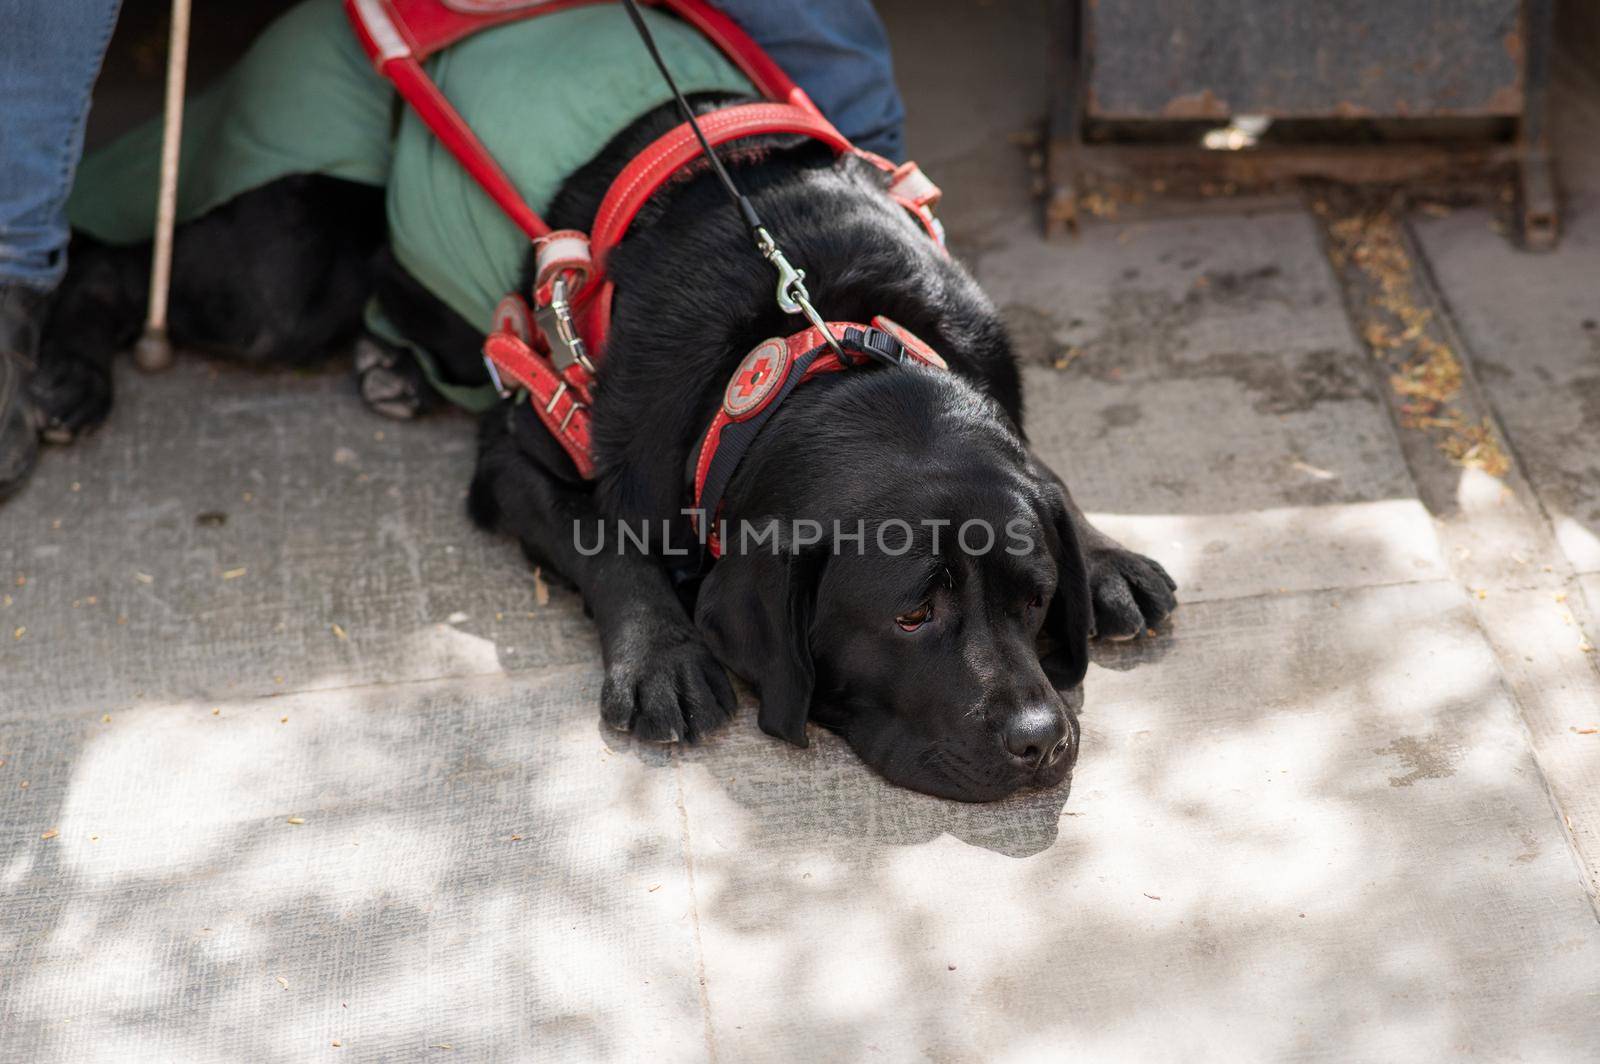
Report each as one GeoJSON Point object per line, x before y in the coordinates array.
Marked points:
{"type": "Point", "coordinates": [951, 670]}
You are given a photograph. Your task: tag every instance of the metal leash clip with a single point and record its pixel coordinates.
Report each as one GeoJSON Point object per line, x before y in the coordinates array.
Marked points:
{"type": "Point", "coordinates": [792, 295]}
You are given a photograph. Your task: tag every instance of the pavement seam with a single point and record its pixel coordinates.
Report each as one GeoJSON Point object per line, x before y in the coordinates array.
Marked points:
{"type": "Point", "coordinates": [1458, 523]}
{"type": "Point", "coordinates": [694, 907]}
{"type": "Point", "coordinates": [1554, 556]}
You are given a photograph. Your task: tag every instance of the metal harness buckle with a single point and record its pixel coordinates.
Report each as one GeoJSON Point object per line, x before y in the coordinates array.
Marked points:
{"type": "Point", "coordinates": [566, 346]}
{"type": "Point", "coordinates": [550, 407]}
{"type": "Point", "coordinates": [494, 378]}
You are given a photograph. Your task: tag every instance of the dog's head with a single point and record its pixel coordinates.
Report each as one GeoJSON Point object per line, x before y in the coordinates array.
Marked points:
{"type": "Point", "coordinates": [893, 560]}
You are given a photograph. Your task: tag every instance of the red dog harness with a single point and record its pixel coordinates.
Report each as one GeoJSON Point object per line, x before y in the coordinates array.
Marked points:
{"type": "Point", "coordinates": [571, 293]}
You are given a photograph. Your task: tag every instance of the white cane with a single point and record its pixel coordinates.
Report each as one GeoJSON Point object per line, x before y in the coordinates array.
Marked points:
{"type": "Point", "coordinates": [154, 350]}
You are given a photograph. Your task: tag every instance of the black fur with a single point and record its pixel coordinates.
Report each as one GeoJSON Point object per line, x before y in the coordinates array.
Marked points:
{"type": "Point", "coordinates": [954, 707]}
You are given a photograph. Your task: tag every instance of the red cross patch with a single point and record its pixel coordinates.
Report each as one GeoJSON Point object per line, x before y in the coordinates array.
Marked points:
{"type": "Point", "coordinates": [757, 379]}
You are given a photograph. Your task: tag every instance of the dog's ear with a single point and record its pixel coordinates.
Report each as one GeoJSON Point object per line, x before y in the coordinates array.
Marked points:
{"type": "Point", "coordinates": [1071, 616]}
{"type": "Point", "coordinates": [756, 611]}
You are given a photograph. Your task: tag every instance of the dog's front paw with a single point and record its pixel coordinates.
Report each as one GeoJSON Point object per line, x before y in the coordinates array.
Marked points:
{"type": "Point", "coordinates": [1131, 593]}
{"type": "Point", "coordinates": [664, 686]}
{"type": "Point", "coordinates": [72, 397]}
{"type": "Point", "coordinates": [391, 382]}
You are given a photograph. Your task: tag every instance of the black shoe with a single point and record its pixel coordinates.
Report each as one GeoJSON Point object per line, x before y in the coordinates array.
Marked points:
{"type": "Point", "coordinates": [21, 318]}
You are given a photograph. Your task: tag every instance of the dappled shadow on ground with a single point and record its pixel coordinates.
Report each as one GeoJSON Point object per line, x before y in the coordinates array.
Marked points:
{"type": "Point", "coordinates": [481, 866]}
{"type": "Point", "coordinates": [1318, 808]}
{"type": "Point", "coordinates": [1019, 826]}
{"type": "Point", "coordinates": [383, 868]}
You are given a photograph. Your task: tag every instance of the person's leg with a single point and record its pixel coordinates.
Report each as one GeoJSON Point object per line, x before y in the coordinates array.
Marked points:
{"type": "Point", "coordinates": [50, 53]}
{"type": "Point", "coordinates": [839, 53]}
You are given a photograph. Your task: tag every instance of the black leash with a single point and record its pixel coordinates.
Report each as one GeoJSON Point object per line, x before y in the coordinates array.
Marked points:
{"type": "Point", "coordinates": [792, 295]}
{"type": "Point", "coordinates": [740, 201]}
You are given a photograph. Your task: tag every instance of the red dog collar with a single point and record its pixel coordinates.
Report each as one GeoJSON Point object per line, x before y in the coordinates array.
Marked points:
{"type": "Point", "coordinates": [766, 377]}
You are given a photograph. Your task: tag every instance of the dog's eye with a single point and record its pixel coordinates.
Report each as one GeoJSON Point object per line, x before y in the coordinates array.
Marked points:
{"type": "Point", "coordinates": [1036, 601]}
{"type": "Point", "coordinates": [911, 620]}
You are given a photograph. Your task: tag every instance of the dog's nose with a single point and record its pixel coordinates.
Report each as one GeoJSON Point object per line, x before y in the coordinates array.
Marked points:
{"type": "Point", "coordinates": [1038, 735]}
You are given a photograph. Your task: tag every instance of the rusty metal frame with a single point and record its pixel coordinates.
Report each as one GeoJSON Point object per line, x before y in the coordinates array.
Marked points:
{"type": "Point", "coordinates": [1066, 118]}
{"type": "Point", "coordinates": [1070, 159]}
{"type": "Point", "coordinates": [1536, 185]}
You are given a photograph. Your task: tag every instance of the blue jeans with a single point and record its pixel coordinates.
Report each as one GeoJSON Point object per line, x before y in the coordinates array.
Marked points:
{"type": "Point", "coordinates": [838, 52]}
{"type": "Point", "coordinates": [50, 52]}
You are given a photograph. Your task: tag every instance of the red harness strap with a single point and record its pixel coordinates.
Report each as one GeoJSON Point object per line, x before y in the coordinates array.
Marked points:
{"type": "Point", "coordinates": [656, 164]}
{"type": "Point", "coordinates": [672, 151]}
{"type": "Point", "coordinates": [429, 26]}
{"type": "Point", "coordinates": [399, 34]}
{"type": "Point", "coordinates": [560, 399]}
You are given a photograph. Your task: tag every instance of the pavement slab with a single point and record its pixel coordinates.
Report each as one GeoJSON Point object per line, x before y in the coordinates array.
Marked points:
{"type": "Point", "coordinates": [975, 133]}
{"type": "Point", "coordinates": [1311, 829]}
{"type": "Point", "coordinates": [280, 538]}
{"type": "Point", "coordinates": [1223, 321]}
{"type": "Point", "coordinates": [468, 864]}
{"type": "Point", "coordinates": [1533, 323]}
